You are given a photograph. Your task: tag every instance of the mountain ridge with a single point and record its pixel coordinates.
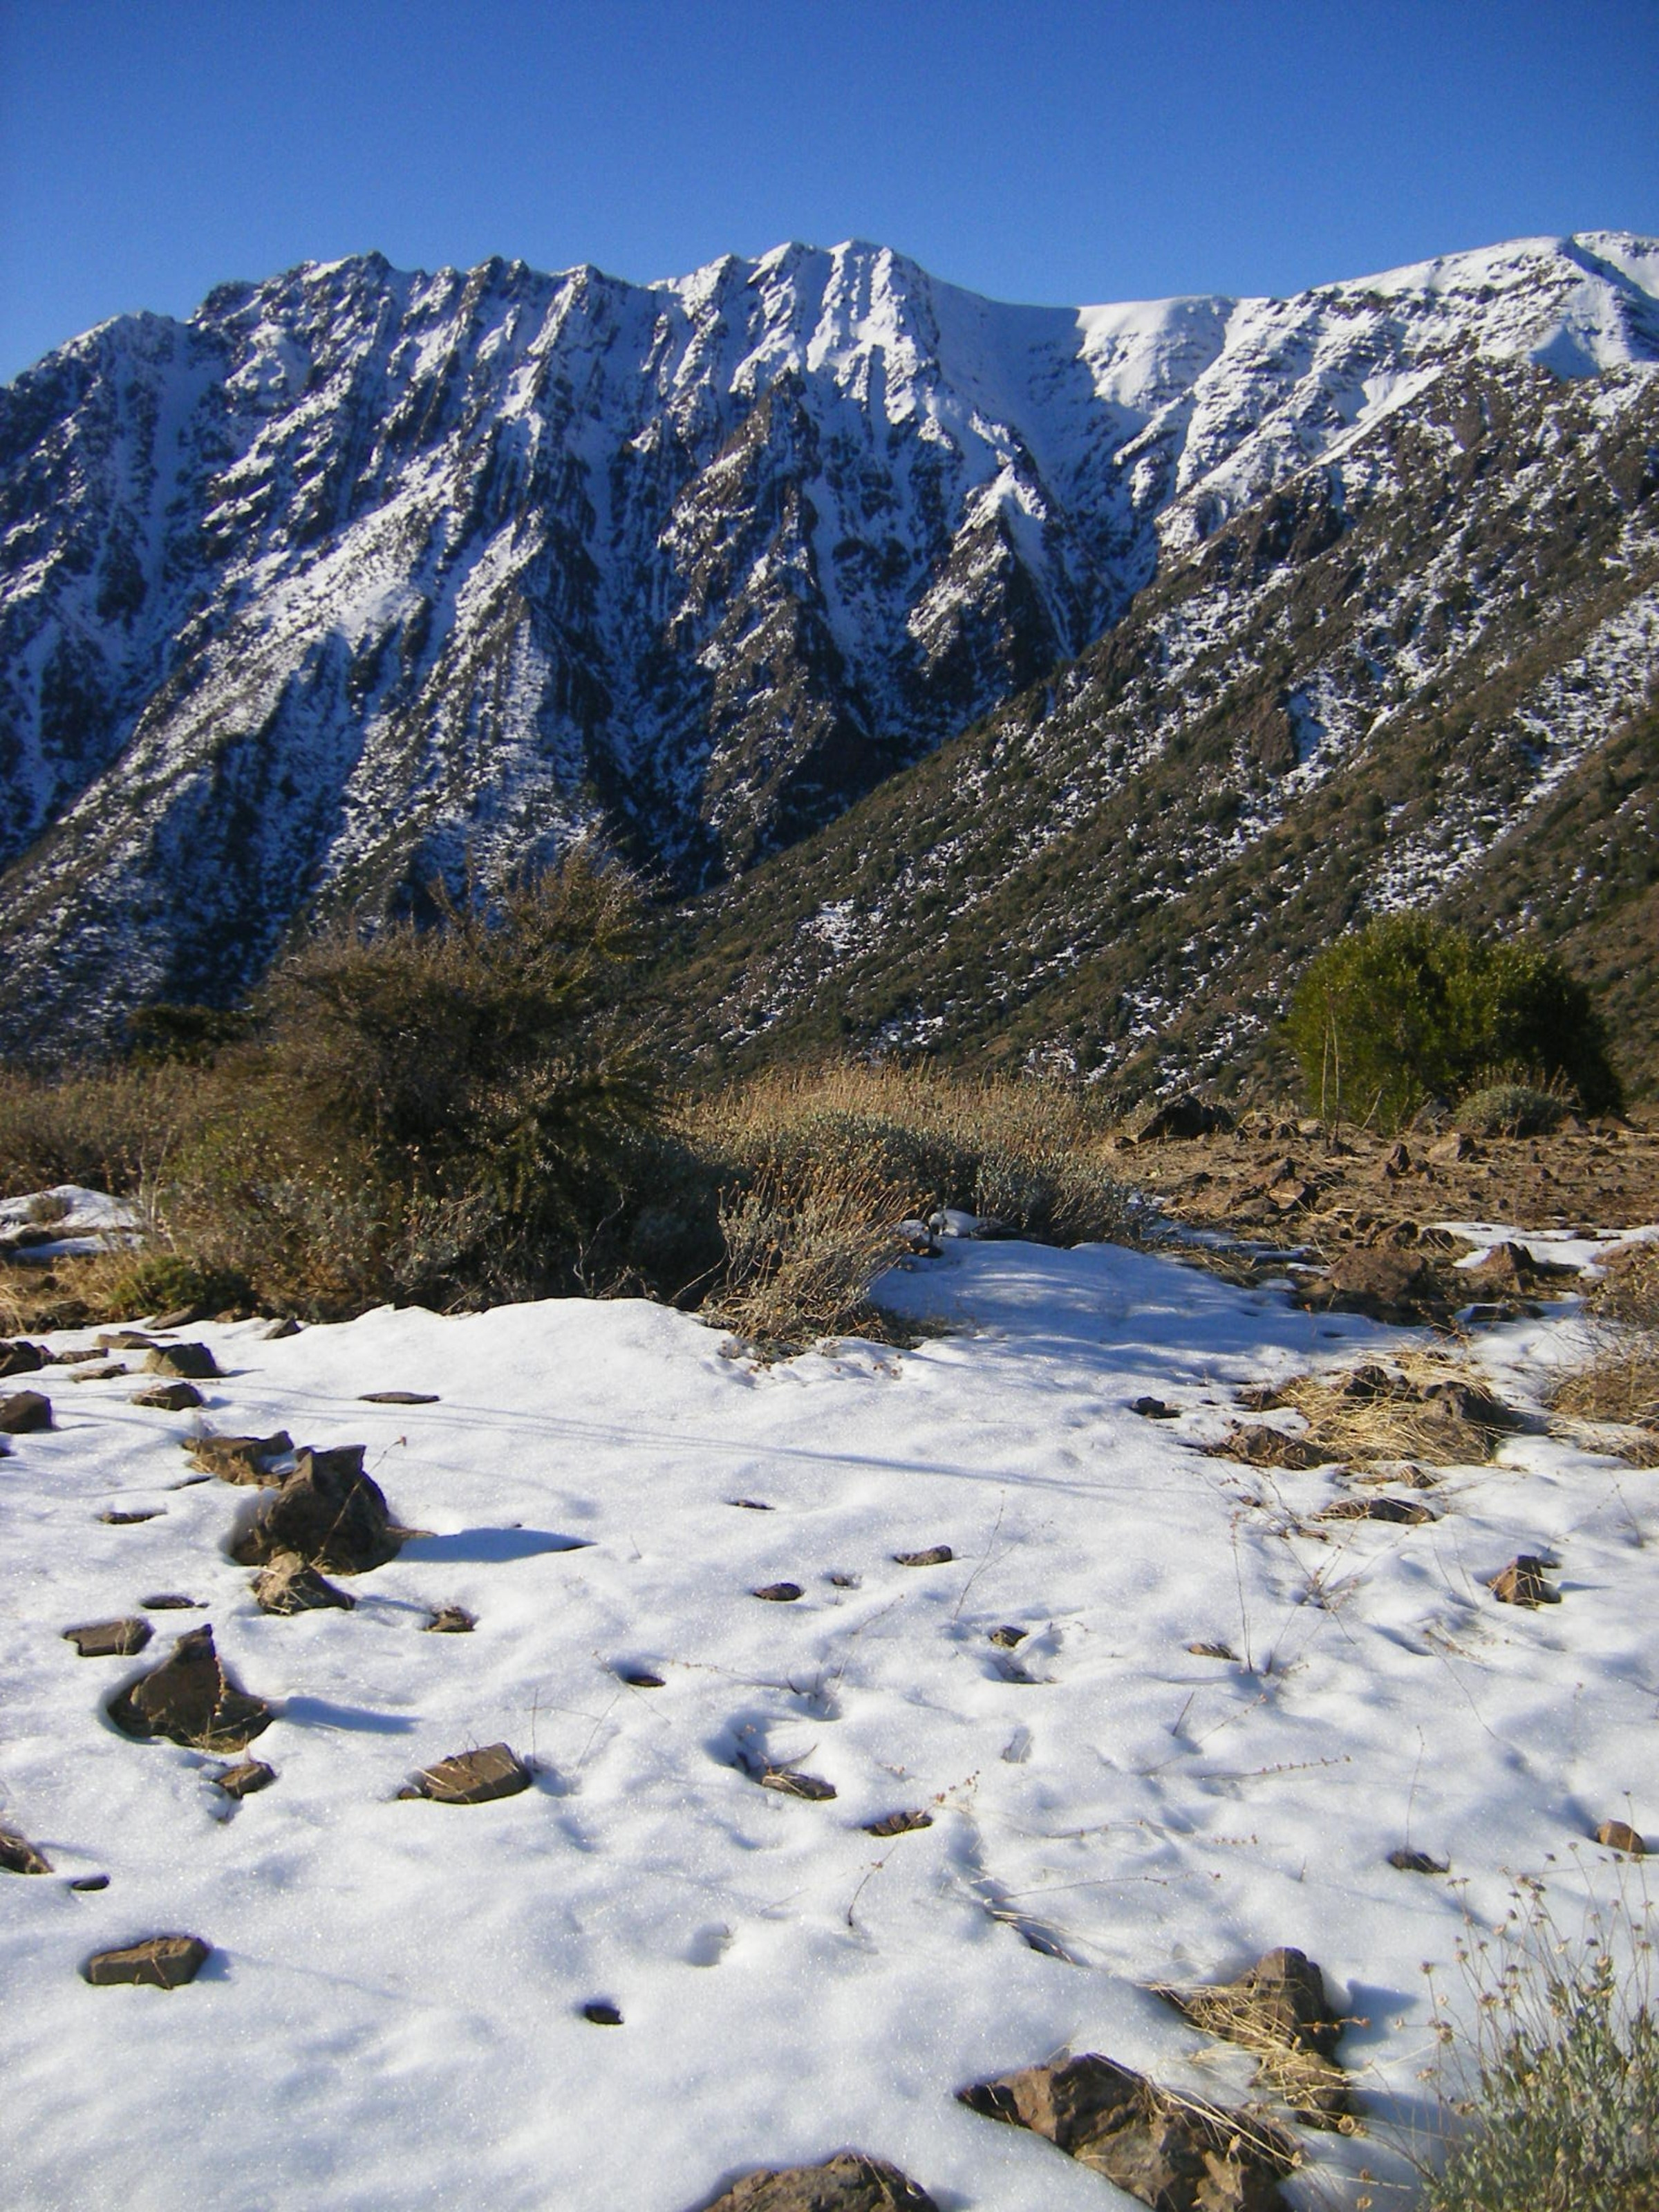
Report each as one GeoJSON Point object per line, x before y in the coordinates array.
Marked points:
{"type": "Point", "coordinates": [359, 572]}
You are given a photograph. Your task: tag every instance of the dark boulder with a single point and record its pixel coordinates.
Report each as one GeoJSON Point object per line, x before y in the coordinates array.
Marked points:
{"type": "Point", "coordinates": [159, 1962]}
{"type": "Point", "coordinates": [191, 1699]}
{"type": "Point", "coordinates": [849, 2182]}
{"type": "Point", "coordinates": [329, 1512]}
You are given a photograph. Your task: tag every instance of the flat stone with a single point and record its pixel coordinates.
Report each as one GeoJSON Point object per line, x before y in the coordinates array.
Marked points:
{"type": "Point", "coordinates": [1214, 1650]}
{"type": "Point", "coordinates": [1410, 1861]}
{"type": "Point", "coordinates": [109, 1639]}
{"type": "Point", "coordinates": [275, 1331]}
{"type": "Point", "coordinates": [289, 1585]}
{"type": "Point", "coordinates": [129, 1516]}
{"type": "Point", "coordinates": [105, 1370]}
{"type": "Point", "coordinates": [171, 1601]}
{"type": "Point", "coordinates": [1262, 1445]}
{"type": "Point", "coordinates": [936, 1555]}
{"type": "Point", "coordinates": [329, 1511]}
{"type": "Point", "coordinates": [25, 1411]}
{"type": "Point", "coordinates": [778, 1593]}
{"type": "Point", "coordinates": [474, 1777]}
{"type": "Point", "coordinates": [600, 2011]}
{"type": "Point", "coordinates": [639, 1679]}
{"type": "Point", "coordinates": [398, 1398]}
{"type": "Point", "coordinates": [159, 1962]}
{"type": "Point", "coordinates": [19, 1856]}
{"type": "Point", "coordinates": [1007, 1635]}
{"type": "Point", "coordinates": [1522, 1582]}
{"type": "Point", "coordinates": [169, 1397]}
{"type": "Point", "coordinates": [1619, 1836]}
{"type": "Point", "coordinates": [188, 1363]}
{"type": "Point", "coordinates": [790, 1781]}
{"type": "Point", "coordinates": [180, 1317]}
{"type": "Point", "coordinates": [87, 1885]}
{"type": "Point", "coordinates": [1154, 1409]}
{"type": "Point", "coordinates": [125, 1339]}
{"type": "Point", "coordinates": [1404, 1511]}
{"type": "Point", "coordinates": [191, 1699]}
{"type": "Point", "coordinates": [1175, 2153]}
{"type": "Point", "coordinates": [849, 2182]}
{"type": "Point", "coordinates": [243, 1781]}
{"type": "Point", "coordinates": [898, 1824]}
{"type": "Point", "coordinates": [451, 1620]}
{"type": "Point", "coordinates": [245, 1460]}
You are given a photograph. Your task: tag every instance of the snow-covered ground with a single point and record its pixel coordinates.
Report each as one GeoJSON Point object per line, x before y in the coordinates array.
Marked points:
{"type": "Point", "coordinates": [393, 2014]}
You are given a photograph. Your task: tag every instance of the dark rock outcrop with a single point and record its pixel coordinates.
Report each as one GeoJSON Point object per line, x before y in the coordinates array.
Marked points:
{"type": "Point", "coordinates": [328, 1512]}
{"type": "Point", "coordinates": [191, 1699]}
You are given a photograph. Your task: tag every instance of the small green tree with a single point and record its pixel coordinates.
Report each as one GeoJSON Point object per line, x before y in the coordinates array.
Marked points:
{"type": "Point", "coordinates": [1408, 1008]}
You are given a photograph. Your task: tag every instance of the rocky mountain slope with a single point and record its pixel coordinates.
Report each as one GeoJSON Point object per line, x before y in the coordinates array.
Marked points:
{"type": "Point", "coordinates": [359, 574]}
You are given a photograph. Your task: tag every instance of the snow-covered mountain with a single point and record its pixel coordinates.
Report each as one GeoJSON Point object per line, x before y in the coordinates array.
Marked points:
{"type": "Point", "coordinates": [358, 572]}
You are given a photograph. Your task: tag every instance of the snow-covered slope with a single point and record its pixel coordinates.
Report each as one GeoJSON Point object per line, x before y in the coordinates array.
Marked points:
{"type": "Point", "coordinates": [393, 2014]}
{"type": "Point", "coordinates": [360, 570]}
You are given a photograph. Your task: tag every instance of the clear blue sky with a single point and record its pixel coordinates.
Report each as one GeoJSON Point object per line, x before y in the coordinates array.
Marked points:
{"type": "Point", "coordinates": [150, 149]}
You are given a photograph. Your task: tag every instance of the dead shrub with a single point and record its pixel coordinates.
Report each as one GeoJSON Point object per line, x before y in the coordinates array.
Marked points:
{"type": "Point", "coordinates": [1617, 1385]}
{"type": "Point", "coordinates": [803, 1247]}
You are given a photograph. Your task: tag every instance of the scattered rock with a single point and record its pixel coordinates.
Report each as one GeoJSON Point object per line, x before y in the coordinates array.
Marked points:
{"type": "Point", "coordinates": [180, 1317]}
{"type": "Point", "coordinates": [187, 1363]}
{"type": "Point", "coordinates": [329, 1511]}
{"type": "Point", "coordinates": [1279, 2010]}
{"type": "Point", "coordinates": [103, 1370]}
{"type": "Point", "coordinates": [1260, 1398]}
{"type": "Point", "coordinates": [1262, 1445]}
{"type": "Point", "coordinates": [1364, 1385]}
{"type": "Point", "coordinates": [125, 1339]}
{"type": "Point", "coordinates": [1475, 1407]}
{"type": "Point", "coordinates": [1386, 1284]}
{"type": "Point", "coordinates": [936, 1555]}
{"type": "Point", "coordinates": [640, 1679]}
{"type": "Point", "coordinates": [839, 1581]}
{"type": "Point", "coordinates": [18, 1358]}
{"type": "Point", "coordinates": [1619, 1836]}
{"type": "Point", "coordinates": [1007, 1635]}
{"type": "Point", "coordinates": [88, 1883]}
{"type": "Point", "coordinates": [1522, 1582]}
{"type": "Point", "coordinates": [241, 1459]}
{"type": "Point", "coordinates": [749, 1505]}
{"type": "Point", "coordinates": [1176, 2154]}
{"type": "Point", "coordinates": [131, 1517]}
{"type": "Point", "coordinates": [289, 1585]}
{"type": "Point", "coordinates": [396, 1398]}
{"type": "Point", "coordinates": [1396, 1161]}
{"type": "Point", "coordinates": [160, 1962]}
{"type": "Point", "coordinates": [1154, 1409]}
{"type": "Point", "coordinates": [789, 1782]}
{"type": "Point", "coordinates": [1213, 1651]}
{"type": "Point", "coordinates": [19, 1856]}
{"type": "Point", "coordinates": [170, 1601]}
{"type": "Point", "coordinates": [109, 1639]}
{"type": "Point", "coordinates": [898, 1824]}
{"type": "Point", "coordinates": [778, 1593]}
{"type": "Point", "coordinates": [849, 2182]}
{"type": "Point", "coordinates": [473, 1777]}
{"type": "Point", "coordinates": [25, 1411]}
{"type": "Point", "coordinates": [1410, 1861]}
{"type": "Point", "coordinates": [170, 1397]}
{"type": "Point", "coordinates": [1401, 1511]}
{"type": "Point", "coordinates": [275, 1331]}
{"type": "Point", "coordinates": [1183, 1118]}
{"type": "Point", "coordinates": [449, 1621]}
{"type": "Point", "coordinates": [243, 1781]}
{"type": "Point", "coordinates": [191, 1699]}
{"type": "Point", "coordinates": [602, 2013]}
{"type": "Point", "coordinates": [1447, 1151]}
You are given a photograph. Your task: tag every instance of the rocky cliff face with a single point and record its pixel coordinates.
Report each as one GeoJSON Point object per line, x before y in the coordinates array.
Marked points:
{"type": "Point", "coordinates": [359, 574]}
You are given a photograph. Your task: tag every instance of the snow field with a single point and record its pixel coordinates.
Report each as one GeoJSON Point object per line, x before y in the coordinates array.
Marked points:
{"type": "Point", "coordinates": [392, 2014]}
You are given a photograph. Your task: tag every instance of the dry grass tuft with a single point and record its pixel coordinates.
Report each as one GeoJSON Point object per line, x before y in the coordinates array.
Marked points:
{"type": "Point", "coordinates": [802, 1252]}
{"type": "Point", "coordinates": [1313, 2088]}
{"type": "Point", "coordinates": [1399, 1421]}
{"type": "Point", "coordinates": [1617, 1386]}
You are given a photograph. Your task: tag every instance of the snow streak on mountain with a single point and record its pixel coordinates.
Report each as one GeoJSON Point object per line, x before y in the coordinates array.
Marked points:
{"type": "Point", "coordinates": [358, 573]}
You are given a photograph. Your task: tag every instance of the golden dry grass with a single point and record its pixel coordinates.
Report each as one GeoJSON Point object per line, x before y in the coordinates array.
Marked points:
{"type": "Point", "coordinates": [1403, 1424]}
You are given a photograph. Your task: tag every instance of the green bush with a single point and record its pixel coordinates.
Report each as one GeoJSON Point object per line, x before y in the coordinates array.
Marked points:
{"type": "Point", "coordinates": [1512, 1110]}
{"type": "Point", "coordinates": [1408, 1009]}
